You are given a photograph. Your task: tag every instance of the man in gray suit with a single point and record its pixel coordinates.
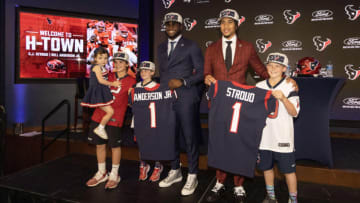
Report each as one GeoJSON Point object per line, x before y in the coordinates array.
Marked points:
{"type": "Point", "coordinates": [181, 65]}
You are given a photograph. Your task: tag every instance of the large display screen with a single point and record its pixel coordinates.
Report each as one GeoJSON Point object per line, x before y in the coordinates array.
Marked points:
{"type": "Point", "coordinates": [57, 46]}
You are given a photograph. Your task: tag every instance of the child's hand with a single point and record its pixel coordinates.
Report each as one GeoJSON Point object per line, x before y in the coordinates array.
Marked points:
{"type": "Point", "coordinates": [278, 94]}
{"type": "Point", "coordinates": [116, 83]}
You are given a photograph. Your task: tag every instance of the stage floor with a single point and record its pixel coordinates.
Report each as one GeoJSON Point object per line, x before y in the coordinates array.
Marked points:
{"type": "Point", "coordinates": [63, 180]}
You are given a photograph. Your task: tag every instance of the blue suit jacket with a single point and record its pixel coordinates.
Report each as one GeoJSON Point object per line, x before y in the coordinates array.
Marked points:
{"type": "Point", "coordinates": [187, 63]}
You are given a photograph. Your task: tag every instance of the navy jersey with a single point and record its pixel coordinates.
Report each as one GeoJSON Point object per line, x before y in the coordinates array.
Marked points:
{"type": "Point", "coordinates": [154, 122]}
{"type": "Point", "coordinates": [236, 119]}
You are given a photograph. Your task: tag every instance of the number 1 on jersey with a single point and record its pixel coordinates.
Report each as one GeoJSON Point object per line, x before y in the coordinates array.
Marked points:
{"type": "Point", "coordinates": [152, 115]}
{"type": "Point", "coordinates": [235, 117]}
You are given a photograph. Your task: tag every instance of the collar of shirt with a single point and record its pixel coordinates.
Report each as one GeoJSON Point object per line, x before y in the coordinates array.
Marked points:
{"type": "Point", "coordinates": [176, 40]}
{"type": "Point", "coordinates": [233, 45]}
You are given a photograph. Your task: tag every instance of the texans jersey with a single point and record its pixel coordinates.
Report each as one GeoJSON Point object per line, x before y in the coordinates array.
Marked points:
{"type": "Point", "coordinates": [278, 134]}
{"type": "Point", "coordinates": [120, 103]}
{"type": "Point", "coordinates": [154, 122]}
{"type": "Point", "coordinates": [236, 119]}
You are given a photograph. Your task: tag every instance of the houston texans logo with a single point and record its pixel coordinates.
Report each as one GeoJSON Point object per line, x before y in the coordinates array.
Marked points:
{"type": "Point", "coordinates": [319, 44]}
{"type": "Point", "coordinates": [263, 46]}
{"type": "Point", "coordinates": [352, 13]}
{"type": "Point", "coordinates": [189, 24]}
{"type": "Point", "coordinates": [168, 3]}
{"type": "Point", "coordinates": [291, 18]}
{"type": "Point", "coordinates": [241, 20]}
{"type": "Point", "coordinates": [314, 64]}
{"type": "Point", "coordinates": [352, 72]}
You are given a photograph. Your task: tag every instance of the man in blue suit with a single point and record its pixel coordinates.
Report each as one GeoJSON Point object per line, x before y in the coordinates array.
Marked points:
{"type": "Point", "coordinates": [181, 66]}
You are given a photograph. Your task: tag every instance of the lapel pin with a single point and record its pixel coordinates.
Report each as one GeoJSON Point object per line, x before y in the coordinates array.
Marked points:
{"type": "Point", "coordinates": [182, 45]}
{"type": "Point", "coordinates": [240, 45]}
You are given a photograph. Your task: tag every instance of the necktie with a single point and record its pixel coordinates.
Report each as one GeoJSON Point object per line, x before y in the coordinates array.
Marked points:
{"type": "Point", "coordinates": [171, 48]}
{"type": "Point", "coordinates": [228, 55]}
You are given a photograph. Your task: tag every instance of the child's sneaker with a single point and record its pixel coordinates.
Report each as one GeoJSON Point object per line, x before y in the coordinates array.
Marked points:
{"type": "Point", "coordinates": [155, 176]}
{"type": "Point", "coordinates": [113, 182]}
{"type": "Point", "coordinates": [97, 179]}
{"type": "Point", "coordinates": [144, 170]}
{"type": "Point", "coordinates": [269, 200]}
{"type": "Point", "coordinates": [101, 133]}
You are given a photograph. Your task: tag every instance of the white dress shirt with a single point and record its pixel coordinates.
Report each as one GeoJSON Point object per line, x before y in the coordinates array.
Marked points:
{"type": "Point", "coordinates": [232, 45]}
{"type": "Point", "coordinates": [176, 40]}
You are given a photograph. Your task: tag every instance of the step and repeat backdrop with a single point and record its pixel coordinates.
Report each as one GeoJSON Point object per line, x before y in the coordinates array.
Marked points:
{"type": "Point", "coordinates": [326, 30]}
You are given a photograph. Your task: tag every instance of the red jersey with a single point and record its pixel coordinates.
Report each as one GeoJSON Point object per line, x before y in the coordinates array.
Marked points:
{"type": "Point", "coordinates": [103, 37]}
{"type": "Point", "coordinates": [120, 103]}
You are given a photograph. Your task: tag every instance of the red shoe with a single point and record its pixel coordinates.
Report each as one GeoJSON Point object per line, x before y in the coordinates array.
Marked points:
{"type": "Point", "coordinates": [97, 179]}
{"type": "Point", "coordinates": [155, 176]}
{"type": "Point", "coordinates": [144, 170]}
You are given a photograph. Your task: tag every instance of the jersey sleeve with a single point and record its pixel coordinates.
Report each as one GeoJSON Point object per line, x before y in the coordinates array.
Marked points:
{"type": "Point", "coordinates": [211, 93]}
{"type": "Point", "coordinates": [294, 98]}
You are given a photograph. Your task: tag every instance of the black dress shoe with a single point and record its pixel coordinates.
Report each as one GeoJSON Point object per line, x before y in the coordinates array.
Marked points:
{"type": "Point", "coordinates": [239, 198]}
{"type": "Point", "coordinates": [216, 193]}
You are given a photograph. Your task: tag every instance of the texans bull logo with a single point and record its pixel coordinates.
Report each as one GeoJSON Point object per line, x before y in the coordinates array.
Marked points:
{"type": "Point", "coordinates": [189, 24]}
{"type": "Point", "coordinates": [320, 44]}
{"type": "Point", "coordinates": [263, 46]}
{"type": "Point", "coordinates": [291, 18]}
{"type": "Point", "coordinates": [352, 72]}
{"type": "Point", "coordinates": [168, 3]}
{"type": "Point", "coordinates": [352, 13]}
{"type": "Point", "coordinates": [241, 20]}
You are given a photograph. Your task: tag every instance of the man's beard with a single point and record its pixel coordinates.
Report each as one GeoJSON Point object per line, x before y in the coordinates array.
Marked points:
{"type": "Point", "coordinates": [173, 37]}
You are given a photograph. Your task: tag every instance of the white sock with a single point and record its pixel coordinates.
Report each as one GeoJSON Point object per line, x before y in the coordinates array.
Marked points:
{"type": "Point", "coordinates": [101, 126]}
{"type": "Point", "coordinates": [102, 167]}
{"type": "Point", "coordinates": [115, 169]}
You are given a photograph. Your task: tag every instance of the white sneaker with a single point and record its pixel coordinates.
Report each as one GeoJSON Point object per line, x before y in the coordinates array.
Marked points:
{"type": "Point", "coordinates": [190, 185]}
{"type": "Point", "coordinates": [174, 176]}
{"type": "Point", "coordinates": [101, 133]}
{"type": "Point", "coordinates": [239, 193]}
{"type": "Point", "coordinates": [97, 179]}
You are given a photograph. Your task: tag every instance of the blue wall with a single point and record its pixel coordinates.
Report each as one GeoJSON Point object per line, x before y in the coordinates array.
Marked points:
{"type": "Point", "coordinates": [29, 103]}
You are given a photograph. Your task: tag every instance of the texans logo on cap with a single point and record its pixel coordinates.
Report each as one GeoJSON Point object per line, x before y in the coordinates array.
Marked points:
{"type": "Point", "coordinates": [148, 65]}
{"type": "Point", "coordinates": [227, 13]}
{"type": "Point", "coordinates": [276, 58]}
{"type": "Point", "coordinates": [171, 18]}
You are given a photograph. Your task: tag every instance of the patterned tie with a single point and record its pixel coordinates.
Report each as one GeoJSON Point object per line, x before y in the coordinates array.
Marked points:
{"type": "Point", "coordinates": [171, 48]}
{"type": "Point", "coordinates": [228, 56]}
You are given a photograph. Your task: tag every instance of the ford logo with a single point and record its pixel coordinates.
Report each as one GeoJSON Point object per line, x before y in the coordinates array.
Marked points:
{"type": "Point", "coordinates": [353, 101]}
{"type": "Point", "coordinates": [322, 13]}
{"type": "Point", "coordinates": [292, 43]}
{"type": "Point", "coordinates": [212, 21]}
{"type": "Point", "coordinates": [264, 17]}
{"type": "Point", "coordinates": [352, 41]}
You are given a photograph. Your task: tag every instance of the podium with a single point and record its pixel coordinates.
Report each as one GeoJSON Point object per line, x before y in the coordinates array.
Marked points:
{"type": "Point", "coordinates": [312, 131]}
